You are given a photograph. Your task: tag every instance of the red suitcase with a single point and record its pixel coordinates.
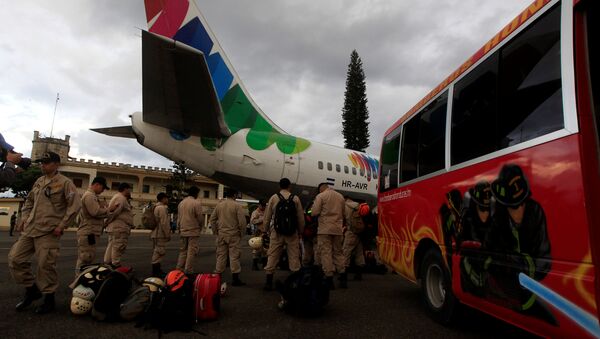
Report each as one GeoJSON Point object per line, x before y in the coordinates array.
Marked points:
{"type": "Point", "coordinates": [207, 296]}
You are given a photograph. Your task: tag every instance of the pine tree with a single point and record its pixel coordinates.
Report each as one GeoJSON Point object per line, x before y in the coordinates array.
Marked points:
{"type": "Point", "coordinates": [355, 114]}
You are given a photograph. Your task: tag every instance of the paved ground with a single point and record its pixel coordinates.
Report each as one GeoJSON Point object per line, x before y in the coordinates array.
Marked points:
{"type": "Point", "coordinates": [381, 306]}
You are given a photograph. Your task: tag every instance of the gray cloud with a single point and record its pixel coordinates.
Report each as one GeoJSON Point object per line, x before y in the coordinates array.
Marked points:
{"type": "Point", "coordinates": [291, 56]}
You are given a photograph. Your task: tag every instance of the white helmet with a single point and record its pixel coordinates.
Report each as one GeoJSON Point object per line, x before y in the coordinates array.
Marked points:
{"type": "Point", "coordinates": [223, 289]}
{"type": "Point", "coordinates": [83, 292]}
{"type": "Point", "coordinates": [80, 306]}
{"type": "Point", "coordinates": [255, 243]}
{"type": "Point", "coordinates": [153, 283]}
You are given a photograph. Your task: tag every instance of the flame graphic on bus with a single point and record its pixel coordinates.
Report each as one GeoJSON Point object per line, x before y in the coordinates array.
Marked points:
{"type": "Point", "coordinates": [578, 276]}
{"type": "Point", "coordinates": [369, 165]}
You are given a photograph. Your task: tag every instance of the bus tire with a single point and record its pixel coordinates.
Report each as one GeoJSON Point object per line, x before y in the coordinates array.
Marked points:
{"type": "Point", "coordinates": [436, 288]}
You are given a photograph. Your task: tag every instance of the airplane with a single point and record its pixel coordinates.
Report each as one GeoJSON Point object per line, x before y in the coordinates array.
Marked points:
{"type": "Point", "coordinates": [197, 111]}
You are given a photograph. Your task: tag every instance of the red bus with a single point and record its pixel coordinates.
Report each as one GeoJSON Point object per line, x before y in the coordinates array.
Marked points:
{"type": "Point", "coordinates": [489, 193]}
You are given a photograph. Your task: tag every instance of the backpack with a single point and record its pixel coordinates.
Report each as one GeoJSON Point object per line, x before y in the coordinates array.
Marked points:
{"type": "Point", "coordinates": [148, 218]}
{"type": "Point", "coordinates": [136, 303]}
{"type": "Point", "coordinates": [286, 222]}
{"type": "Point", "coordinates": [356, 222]}
{"type": "Point", "coordinates": [172, 310]}
{"type": "Point", "coordinates": [304, 292]}
{"type": "Point", "coordinates": [112, 293]}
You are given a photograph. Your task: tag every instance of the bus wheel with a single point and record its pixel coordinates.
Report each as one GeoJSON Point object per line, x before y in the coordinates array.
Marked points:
{"type": "Point", "coordinates": [436, 287]}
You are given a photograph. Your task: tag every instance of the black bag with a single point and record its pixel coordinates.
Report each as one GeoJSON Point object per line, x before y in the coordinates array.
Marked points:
{"type": "Point", "coordinates": [304, 292]}
{"type": "Point", "coordinates": [136, 304]}
{"type": "Point", "coordinates": [114, 290]}
{"type": "Point", "coordinates": [286, 219]}
{"type": "Point", "coordinates": [172, 310]}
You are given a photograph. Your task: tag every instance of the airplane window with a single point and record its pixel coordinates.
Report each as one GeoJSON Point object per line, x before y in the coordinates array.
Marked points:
{"type": "Point", "coordinates": [338, 168]}
{"type": "Point", "coordinates": [353, 170]}
{"type": "Point", "coordinates": [362, 172]}
{"type": "Point", "coordinates": [320, 165]}
{"type": "Point", "coordinates": [329, 167]}
{"type": "Point", "coordinates": [346, 169]}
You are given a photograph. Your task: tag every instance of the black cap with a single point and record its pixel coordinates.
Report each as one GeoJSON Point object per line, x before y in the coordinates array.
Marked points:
{"type": "Point", "coordinates": [481, 194]}
{"type": "Point", "coordinates": [100, 180]}
{"type": "Point", "coordinates": [193, 191]}
{"type": "Point", "coordinates": [49, 157]}
{"type": "Point", "coordinates": [123, 186]}
{"type": "Point", "coordinates": [511, 188]}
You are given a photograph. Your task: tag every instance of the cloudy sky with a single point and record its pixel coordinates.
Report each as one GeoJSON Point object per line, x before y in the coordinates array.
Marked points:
{"type": "Point", "coordinates": [292, 57]}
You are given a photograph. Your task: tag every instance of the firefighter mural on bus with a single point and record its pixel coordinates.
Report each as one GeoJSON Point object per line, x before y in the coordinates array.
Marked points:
{"type": "Point", "coordinates": [500, 232]}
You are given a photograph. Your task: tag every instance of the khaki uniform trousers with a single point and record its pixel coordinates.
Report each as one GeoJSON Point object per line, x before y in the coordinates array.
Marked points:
{"type": "Point", "coordinates": [311, 252]}
{"type": "Point", "coordinates": [188, 249]}
{"type": "Point", "coordinates": [117, 243]}
{"type": "Point", "coordinates": [86, 253]}
{"type": "Point", "coordinates": [46, 249]}
{"type": "Point", "coordinates": [330, 248]}
{"type": "Point", "coordinates": [228, 245]}
{"type": "Point", "coordinates": [159, 252]}
{"type": "Point", "coordinates": [353, 247]}
{"type": "Point", "coordinates": [276, 243]}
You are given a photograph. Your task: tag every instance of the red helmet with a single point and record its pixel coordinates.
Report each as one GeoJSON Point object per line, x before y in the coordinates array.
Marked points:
{"type": "Point", "coordinates": [363, 210]}
{"type": "Point", "coordinates": [175, 280]}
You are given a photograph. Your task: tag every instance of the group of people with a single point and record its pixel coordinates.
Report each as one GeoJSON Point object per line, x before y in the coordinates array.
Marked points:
{"type": "Point", "coordinates": [54, 203]}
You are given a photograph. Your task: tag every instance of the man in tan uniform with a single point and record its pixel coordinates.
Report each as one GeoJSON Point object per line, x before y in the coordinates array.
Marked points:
{"type": "Point", "coordinates": [119, 225]}
{"type": "Point", "coordinates": [229, 223]}
{"type": "Point", "coordinates": [91, 222]}
{"type": "Point", "coordinates": [189, 220]}
{"type": "Point", "coordinates": [257, 219]}
{"type": "Point", "coordinates": [277, 240]}
{"type": "Point", "coordinates": [352, 243]}
{"type": "Point", "coordinates": [161, 234]}
{"type": "Point", "coordinates": [329, 207]}
{"type": "Point", "coordinates": [51, 206]}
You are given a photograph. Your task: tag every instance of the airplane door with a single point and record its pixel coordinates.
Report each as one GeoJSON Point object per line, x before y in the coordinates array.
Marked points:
{"type": "Point", "coordinates": [291, 167]}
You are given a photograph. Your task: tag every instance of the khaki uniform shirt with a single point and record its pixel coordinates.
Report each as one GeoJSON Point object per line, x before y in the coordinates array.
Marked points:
{"type": "Point", "coordinates": [349, 206]}
{"type": "Point", "coordinates": [121, 219]}
{"type": "Point", "coordinates": [257, 219]}
{"type": "Point", "coordinates": [163, 229]}
{"type": "Point", "coordinates": [228, 218]}
{"type": "Point", "coordinates": [329, 207]}
{"type": "Point", "coordinates": [272, 206]}
{"type": "Point", "coordinates": [51, 203]}
{"type": "Point", "coordinates": [189, 217]}
{"type": "Point", "coordinates": [92, 215]}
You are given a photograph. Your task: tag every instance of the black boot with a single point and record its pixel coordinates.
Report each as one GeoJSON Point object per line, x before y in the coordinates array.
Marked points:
{"type": "Point", "coordinates": [236, 280]}
{"type": "Point", "coordinates": [47, 306]}
{"type": "Point", "coordinates": [264, 262]}
{"type": "Point", "coordinates": [330, 283]}
{"type": "Point", "coordinates": [157, 272]}
{"type": "Point", "coordinates": [269, 283]}
{"type": "Point", "coordinates": [255, 264]}
{"type": "Point", "coordinates": [31, 293]}
{"type": "Point", "coordinates": [358, 273]}
{"type": "Point", "coordinates": [343, 280]}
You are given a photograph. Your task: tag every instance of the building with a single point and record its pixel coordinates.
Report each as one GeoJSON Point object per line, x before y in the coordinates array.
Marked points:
{"type": "Point", "coordinates": [7, 207]}
{"type": "Point", "coordinates": [146, 181]}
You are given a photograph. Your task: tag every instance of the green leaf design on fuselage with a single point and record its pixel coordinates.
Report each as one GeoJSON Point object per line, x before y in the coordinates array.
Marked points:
{"type": "Point", "coordinates": [240, 114]}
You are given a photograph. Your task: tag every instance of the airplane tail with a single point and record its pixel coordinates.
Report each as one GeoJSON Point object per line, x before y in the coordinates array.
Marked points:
{"type": "Point", "coordinates": [182, 21]}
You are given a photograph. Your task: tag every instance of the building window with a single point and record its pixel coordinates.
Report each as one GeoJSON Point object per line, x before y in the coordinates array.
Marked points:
{"type": "Point", "coordinates": [206, 194]}
{"type": "Point", "coordinates": [146, 189]}
{"type": "Point", "coordinates": [346, 169]}
{"type": "Point", "coordinates": [329, 166]}
{"type": "Point", "coordinates": [338, 168]}
{"type": "Point", "coordinates": [320, 165]}
{"type": "Point", "coordinates": [78, 182]}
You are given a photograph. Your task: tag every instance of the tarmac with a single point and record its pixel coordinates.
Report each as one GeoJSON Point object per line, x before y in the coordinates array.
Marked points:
{"type": "Point", "coordinates": [380, 306]}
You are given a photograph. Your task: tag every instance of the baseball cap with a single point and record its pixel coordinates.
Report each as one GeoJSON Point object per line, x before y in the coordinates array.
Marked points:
{"type": "Point", "coordinates": [49, 157]}
{"type": "Point", "coordinates": [124, 186]}
{"type": "Point", "coordinates": [5, 144]}
{"type": "Point", "coordinates": [100, 180]}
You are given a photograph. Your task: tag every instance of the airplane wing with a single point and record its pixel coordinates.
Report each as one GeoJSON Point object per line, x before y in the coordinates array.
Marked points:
{"type": "Point", "coordinates": [119, 131]}
{"type": "Point", "coordinates": [178, 91]}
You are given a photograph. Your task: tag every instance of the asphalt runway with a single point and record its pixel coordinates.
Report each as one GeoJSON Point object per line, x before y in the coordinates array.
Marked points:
{"type": "Point", "coordinates": [380, 306]}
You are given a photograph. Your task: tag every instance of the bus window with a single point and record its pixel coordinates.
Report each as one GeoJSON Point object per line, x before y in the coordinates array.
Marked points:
{"type": "Point", "coordinates": [530, 96]}
{"type": "Point", "coordinates": [432, 136]}
{"type": "Point", "coordinates": [410, 150]}
{"type": "Point", "coordinates": [320, 165]}
{"type": "Point", "coordinates": [353, 170]}
{"type": "Point", "coordinates": [329, 167]}
{"type": "Point", "coordinates": [338, 168]}
{"type": "Point", "coordinates": [389, 161]}
{"type": "Point", "coordinates": [346, 169]}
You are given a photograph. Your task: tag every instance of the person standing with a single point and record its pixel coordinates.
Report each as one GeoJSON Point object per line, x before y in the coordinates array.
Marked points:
{"type": "Point", "coordinates": [257, 219]}
{"type": "Point", "coordinates": [189, 220]}
{"type": "Point", "coordinates": [91, 218]}
{"type": "Point", "coordinates": [288, 224]}
{"type": "Point", "coordinates": [51, 206]}
{"type": "Point", "coordinates": [13, 222]}
{"type": "Point", "coordinates": [352, 246]}
{"type": "Point", "coordinates": [229, 222]}
{"type": "Point", "coordinates": [119, 225]}
{"type": "Point", "coordinates": [329, 207]}
{"type": "Point", "coordinates": [161, 234]}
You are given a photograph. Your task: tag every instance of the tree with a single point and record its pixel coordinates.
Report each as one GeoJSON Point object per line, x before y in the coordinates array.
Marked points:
{"type": "Point", "coordinates": [175, 189]}
{"type": "Point", "coordinates": [24, 181]}
{"type": "Point", "coordinates": [355, 114]}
